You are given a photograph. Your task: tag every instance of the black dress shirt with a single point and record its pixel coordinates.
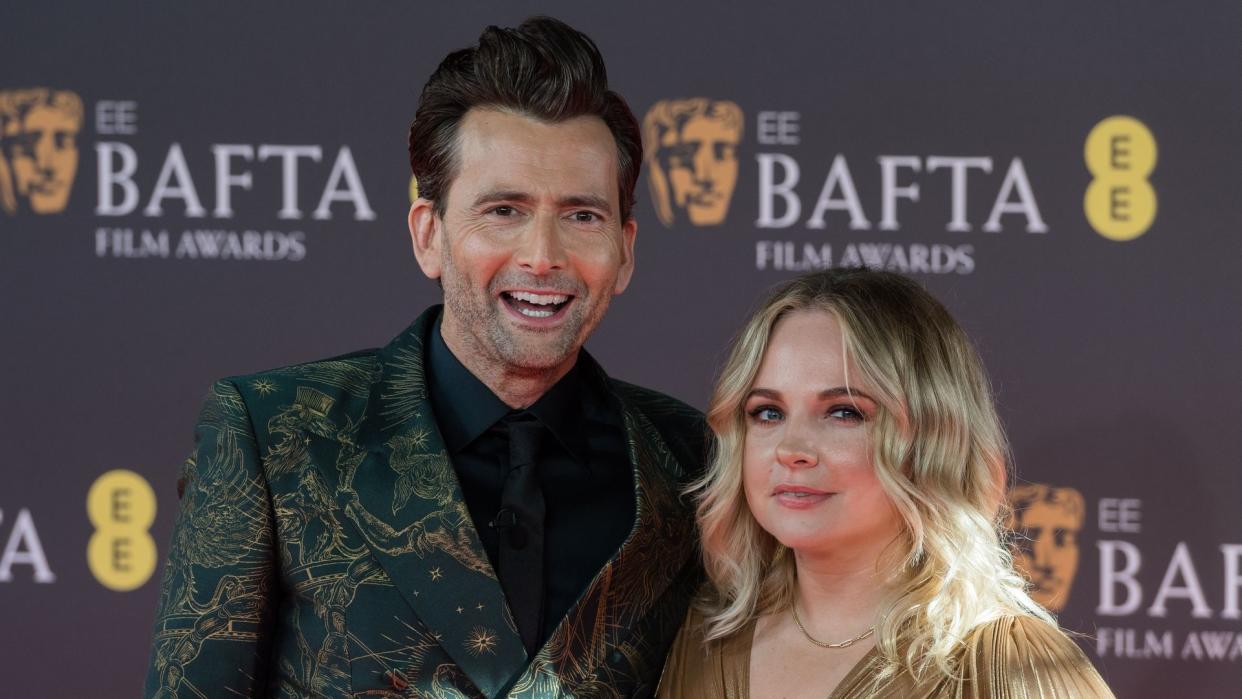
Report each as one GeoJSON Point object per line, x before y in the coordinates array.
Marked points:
{"type": "Point", "coordinates": [584, 468]}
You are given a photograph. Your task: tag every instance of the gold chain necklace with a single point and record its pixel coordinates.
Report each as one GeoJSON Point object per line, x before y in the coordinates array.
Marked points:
{"type": "Point", "coordinates": [824, 644]}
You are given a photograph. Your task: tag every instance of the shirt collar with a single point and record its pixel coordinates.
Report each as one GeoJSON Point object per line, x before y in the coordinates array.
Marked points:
{"type": "Point", "coordinates": [465, 407]}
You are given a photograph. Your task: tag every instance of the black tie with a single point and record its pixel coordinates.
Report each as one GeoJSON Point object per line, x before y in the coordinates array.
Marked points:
{"type": "Point", "coordinates": [519, 524]}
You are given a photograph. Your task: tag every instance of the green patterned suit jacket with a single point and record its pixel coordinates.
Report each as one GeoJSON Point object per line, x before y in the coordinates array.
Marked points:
{"type": "Point", "coordinates": [323, 548]}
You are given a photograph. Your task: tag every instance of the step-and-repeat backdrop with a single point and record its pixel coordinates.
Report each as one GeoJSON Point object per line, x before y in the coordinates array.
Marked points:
{"type": "Point", "coordinates": [194, 190]}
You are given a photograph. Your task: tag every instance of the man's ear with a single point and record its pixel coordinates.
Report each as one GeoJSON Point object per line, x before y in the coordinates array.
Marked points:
{"type": "Point", "coordinates": [427, 236]}
{"type": "Point", "coordinates": [628, 232]}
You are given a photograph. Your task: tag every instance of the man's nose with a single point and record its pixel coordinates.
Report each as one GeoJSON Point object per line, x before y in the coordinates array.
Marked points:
{"type": "Point", "coordinates": [540, 248]}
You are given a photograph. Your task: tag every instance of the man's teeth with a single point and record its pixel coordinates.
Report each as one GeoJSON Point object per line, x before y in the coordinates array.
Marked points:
{"type": "Point", "coordinates": [532, 313]}
{"type": "Point", "coordinates": [552, 301]}
{"type": "Point", "coordinates": [539, 299]}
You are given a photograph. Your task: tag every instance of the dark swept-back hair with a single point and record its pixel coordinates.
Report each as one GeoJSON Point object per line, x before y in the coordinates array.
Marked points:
{"type": "Point", "coordinates": [543, 69]}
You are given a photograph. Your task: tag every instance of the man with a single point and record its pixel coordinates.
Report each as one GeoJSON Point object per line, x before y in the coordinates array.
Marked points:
{"type": "Point", "coordinates": [475, 509]}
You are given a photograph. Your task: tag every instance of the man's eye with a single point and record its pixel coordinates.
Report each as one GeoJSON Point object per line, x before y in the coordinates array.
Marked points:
{"type": "Point", "coordinates": [504, 211]}
{"type": "Point", "coordinates": [585, 216]}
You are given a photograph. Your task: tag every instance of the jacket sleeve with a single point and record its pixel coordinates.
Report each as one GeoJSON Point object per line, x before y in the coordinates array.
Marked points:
{"type": "Point", "coordinates": [214, 624]}
{"type": "Point", "coordinates": [1026, 658]}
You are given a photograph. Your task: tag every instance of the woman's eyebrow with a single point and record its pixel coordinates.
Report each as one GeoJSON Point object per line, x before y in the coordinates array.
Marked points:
{"type": "Point", "coordinates": [826, 394]}
{"type": "Point", "coordinates": [844, 391]}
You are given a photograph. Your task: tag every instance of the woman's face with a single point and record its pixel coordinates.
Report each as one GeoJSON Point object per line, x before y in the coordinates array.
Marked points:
{"type": "Point", "coordinates": [807, 462]}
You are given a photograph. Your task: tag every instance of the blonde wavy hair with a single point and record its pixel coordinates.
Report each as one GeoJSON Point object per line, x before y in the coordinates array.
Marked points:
{"type": "Point", "coordinates": [940, 454]}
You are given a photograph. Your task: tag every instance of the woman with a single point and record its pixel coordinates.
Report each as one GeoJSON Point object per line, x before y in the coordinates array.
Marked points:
{"type": "Point", "coordinates": [850, 515]}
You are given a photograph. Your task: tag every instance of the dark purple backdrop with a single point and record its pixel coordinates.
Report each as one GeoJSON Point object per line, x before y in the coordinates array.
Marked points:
{"type": "Point", "coordinates": [1114, 362]}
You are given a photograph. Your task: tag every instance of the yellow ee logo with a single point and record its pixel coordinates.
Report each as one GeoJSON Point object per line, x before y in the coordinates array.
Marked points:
{"type": "Point", "coordinates": [413, 188]}
{"type": "Point", "coordinates": [121, 552]}
{"type": "Point", "coordinates": [1120, 203]}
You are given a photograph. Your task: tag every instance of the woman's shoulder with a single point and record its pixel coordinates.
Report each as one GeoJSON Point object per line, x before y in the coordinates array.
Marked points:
{"type": "Point", "coordinates": [1018, 633]}
{"type": "Point", "coordinates": [1026, 656]}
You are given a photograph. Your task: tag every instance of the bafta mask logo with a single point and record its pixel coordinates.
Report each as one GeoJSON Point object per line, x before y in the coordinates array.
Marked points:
{"type": "Point", "coordinates": [1045, 521]}
{"type": "Point", "coordinates": [691, 158]}
{"type": "Point", "coordinates": [38, 149]}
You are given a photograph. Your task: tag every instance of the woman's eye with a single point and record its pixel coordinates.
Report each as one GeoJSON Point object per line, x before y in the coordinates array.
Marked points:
{"type": "Point", "coordinates": [846, 412]}
{"type": "Point", "coordinates": [766, 413]}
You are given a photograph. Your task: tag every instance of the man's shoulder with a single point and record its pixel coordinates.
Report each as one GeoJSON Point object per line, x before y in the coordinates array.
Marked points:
{"type": "Point", "coordinates": [655, 405]}
{"type": "Point", "coordinates": [680, 425]}
{"type": "Point", "coordinates": [341, 381]}
{"type": "Point", "coordinates": [344, 371]}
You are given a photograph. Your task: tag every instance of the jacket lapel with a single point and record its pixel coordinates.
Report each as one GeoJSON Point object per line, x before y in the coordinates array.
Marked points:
{"type": "Point", "coordinates": [624, 592]}
{"type": "Point", "coordinates": [398, 490]}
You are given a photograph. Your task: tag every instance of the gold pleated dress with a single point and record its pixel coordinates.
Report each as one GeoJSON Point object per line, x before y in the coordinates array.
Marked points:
{"type": "Point", "coordinates": [1012, 657]}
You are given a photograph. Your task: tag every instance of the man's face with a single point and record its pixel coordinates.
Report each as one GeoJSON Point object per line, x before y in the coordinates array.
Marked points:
{"type": "Point", "coordinates": [701, 162]}
{"type": "Point", "coordinates": [1048, 551]}
{"type": "Point", "coordinates": [531, 246]}
{"type": "Point", "coordinates": [45, 158]}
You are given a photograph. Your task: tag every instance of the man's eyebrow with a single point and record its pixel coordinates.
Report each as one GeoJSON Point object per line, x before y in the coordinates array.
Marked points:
{"type": "Point", "coordinates": [825, 394]}
{"type": "Point", "coordinates": [588, 200]}
{"type": "Point", "coordinates": [501, 195]}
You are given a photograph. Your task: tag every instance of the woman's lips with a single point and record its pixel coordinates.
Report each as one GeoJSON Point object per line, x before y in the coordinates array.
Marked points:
{"type": "Point", "coordinates": [798, 497]}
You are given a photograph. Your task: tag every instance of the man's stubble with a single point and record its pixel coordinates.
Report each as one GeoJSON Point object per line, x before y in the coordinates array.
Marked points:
{"type": "Point", "coordinates": [490, 336]}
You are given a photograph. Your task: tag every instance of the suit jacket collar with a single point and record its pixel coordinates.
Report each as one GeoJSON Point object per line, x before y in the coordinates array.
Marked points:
{"type": "Point", "coordinates": [465, 407]}
{"type": "Point", "coordinates": [400, 492]}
